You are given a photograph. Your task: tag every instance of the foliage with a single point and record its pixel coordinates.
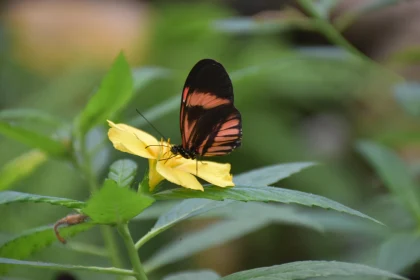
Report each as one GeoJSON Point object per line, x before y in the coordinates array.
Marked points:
{"type": "Point", "coordinates": [276, 88]}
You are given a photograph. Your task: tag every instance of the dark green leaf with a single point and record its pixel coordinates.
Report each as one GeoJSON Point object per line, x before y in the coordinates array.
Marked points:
{"type": "Point", "coordinates": [198, 241]}
{"type": "Point", "coordinates": [7, 197]}
{"type": "Point", "coordinates": [408, 95]}
{"type": "Point", "coordinates": [32, 241]}
{"type": "Point", "coordinates": [394, 173]}
{"type": "Point", "coordinates": [20, 167]}
{"type": "Point", "coordinates": [399, 252]}
{"type": "Point", "coordinates": [114, 205]}
{"type": "Point", "coordinates": [308, 269]}
{"type": "Point", "coordinates": [270, 174]}
{"type": "Point", "coordinates": [20, 114]}
{"type": "Point", "coordinates": [123, 172]}
{"type": "Point", "coordinates": [193, 275]}
{"type": "Point", "coordinates": [114, 92]}
{"type": "Point", "coordinates": [261, 193]}
{"type": "Point", "coordinates": [55, 266]}
{"type": "Point", "coordinates": [33, 139]}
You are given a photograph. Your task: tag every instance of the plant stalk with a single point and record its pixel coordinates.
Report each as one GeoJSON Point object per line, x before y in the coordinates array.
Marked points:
{"type": "Point", "coordinates": [329, 31]}
{"type": "Point", "coordinates": [132, 252]}
{"type": "Point", "coordinates": [106, 231]}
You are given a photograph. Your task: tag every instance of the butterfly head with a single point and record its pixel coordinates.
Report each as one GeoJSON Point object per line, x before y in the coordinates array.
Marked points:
{"type": "Point", "coordinates": [179, 150]}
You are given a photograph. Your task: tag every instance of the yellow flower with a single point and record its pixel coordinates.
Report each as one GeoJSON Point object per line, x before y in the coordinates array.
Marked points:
{"type": "Point", "coordinates": [163, 164]}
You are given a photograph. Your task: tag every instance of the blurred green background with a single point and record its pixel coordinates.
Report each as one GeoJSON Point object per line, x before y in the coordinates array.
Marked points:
{"type": "Point", "coordinates": [302, 98]}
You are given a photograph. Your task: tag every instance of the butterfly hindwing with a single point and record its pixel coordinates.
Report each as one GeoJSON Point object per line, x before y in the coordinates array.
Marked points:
{"type": "Point", "coordinates": [210, 124]}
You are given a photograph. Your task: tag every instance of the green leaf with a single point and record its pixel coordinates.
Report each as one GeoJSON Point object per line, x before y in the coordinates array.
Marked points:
{"type": "Point", "coordinates": [261, 193]}
{"type": "Point", "coordinates": [20, 114]}
{"type": "Point", "coordinates": [20, 167]}
{"type": "Point", "coordinates": [276, 213]}
{"type": "Point", "coordinates": [32, 241]}
{"type": "Point", "coordinates": [7, 197]}
{"type": "Point", "coordinates": [156, 210]}
{"type": "Point", "coordinates": [249, 217]}
{"type": "Point", "coordinates": [308, 269]}
{"type": "Point", "coordinates": [394, 173]}
{"type": "Point", "coordinates": [184, 210]}
{"type": "Point", "coordinates": [123, 172]}
{"type": "Point", "coordinates": [399, 252]}
{"type": "Point", "coordinates": [170, 213]}
{"type": "Point", "coordinates": [115, 205]}
{"type": "Point", "coordinates": [114, 92]}
{"type": "Point", "coordinates": [271, 174]}
{"type": "Point", "coordinates": [408, 95]}
{"type": "Point", "coordinates": [198, 241]}
{"type": "Point", "coordinates": [193, 275]}
{"type": "Point", "coordinates": [54, 266]}
{"type": "Point", "coordinates": [33, 139]}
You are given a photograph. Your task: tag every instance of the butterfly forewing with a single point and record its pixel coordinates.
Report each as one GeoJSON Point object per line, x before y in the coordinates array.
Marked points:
{"type": "Point", "coordinates": [210, 124]}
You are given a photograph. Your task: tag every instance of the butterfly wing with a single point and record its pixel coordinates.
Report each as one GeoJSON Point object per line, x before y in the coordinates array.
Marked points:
{"type": "Point", "coordinates": [210, 124]}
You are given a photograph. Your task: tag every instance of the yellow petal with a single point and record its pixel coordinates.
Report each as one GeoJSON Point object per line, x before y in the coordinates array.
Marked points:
{"type": "Point", "coordinates": [215, 173]}
{"type": "Point", "coordinates": [178, 176]}
{"type": "Point", "coordinates": [154, 177]}
{"type": "Point", "coordinates": [131, 140]}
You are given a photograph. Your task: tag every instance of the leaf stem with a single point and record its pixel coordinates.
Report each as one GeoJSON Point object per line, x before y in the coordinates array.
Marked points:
{"type": "Point", "coordinates": [108, 270]}
{"type": "Point", "coordinates": [328, 29]}
{"type": "Point", "coordinates": [132, 252]}
{"type": "Point", "coordinates": [106, 231]}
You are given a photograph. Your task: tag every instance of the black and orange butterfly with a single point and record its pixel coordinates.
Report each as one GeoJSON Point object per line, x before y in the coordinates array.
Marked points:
{"type": "Point", "coordinates": [210, 123]}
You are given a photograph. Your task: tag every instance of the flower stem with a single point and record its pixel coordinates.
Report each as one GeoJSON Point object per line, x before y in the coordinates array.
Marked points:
{"type": "Point", "coordinates": [132, 252]}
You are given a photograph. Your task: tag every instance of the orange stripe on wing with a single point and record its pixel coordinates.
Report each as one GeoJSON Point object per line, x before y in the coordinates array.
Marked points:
{"type": "Point", "coordinates": [206, 99]}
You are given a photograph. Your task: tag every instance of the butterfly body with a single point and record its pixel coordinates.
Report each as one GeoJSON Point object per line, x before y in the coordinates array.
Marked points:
{"type": "Point", "coordinates": [179, 150]}
{"type": "Point", "coordinates": [210, 124]}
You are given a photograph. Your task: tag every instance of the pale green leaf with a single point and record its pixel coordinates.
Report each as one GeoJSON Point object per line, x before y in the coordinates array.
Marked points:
{"type": "Point", "coordinates": [209, 237]}
{"type": "Point", "coordinates": [34, 240]}
{"type": "Point", "coordinates": [399, 252]}
{"type": "Point", "coordinates": [21, 114]}
{"type": "Point", "coordinates": [394, 173]}
{"type": "Point", "coordinates": [193, 275]}
{"type": "Point", "coordinates": [114, 92]}
{"type": "Point", "coordinates": [123, 172]}
{"type": "Point", "coordinates": [145, 75]}
{"type": "Point", "coordinates": [261, 193]}
{"type": "Point", "coordinates": [408, 95]}
{"type": "Point", "coordinates": [270, 174]}
{"type": "Point", "coordinates": [114, 205]}
{"type": "Point", "coordinates": [20, 167]}
{"type": "Point", "coordinates": [55, 266]}
{"type": "Point", "coordinates": [7, 197]}
{"type": "Point", "coordinates": [33, 139]}
{"type": "Point", "coordinates": [308, 269]}
{"type": "Point", "coordinates": [248, 217]}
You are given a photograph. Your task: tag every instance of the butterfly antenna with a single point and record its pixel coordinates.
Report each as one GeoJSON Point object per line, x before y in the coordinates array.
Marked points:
{"type": "Point", "coordinates": [151, 124]}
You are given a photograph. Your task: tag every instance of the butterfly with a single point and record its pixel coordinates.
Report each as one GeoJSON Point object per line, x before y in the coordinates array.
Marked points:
{"type": "Point", "coordinates": [210, 124]}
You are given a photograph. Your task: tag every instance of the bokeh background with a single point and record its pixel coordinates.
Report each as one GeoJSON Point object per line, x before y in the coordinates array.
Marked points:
{"type": "Point", "coordinates": [302, 98]}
